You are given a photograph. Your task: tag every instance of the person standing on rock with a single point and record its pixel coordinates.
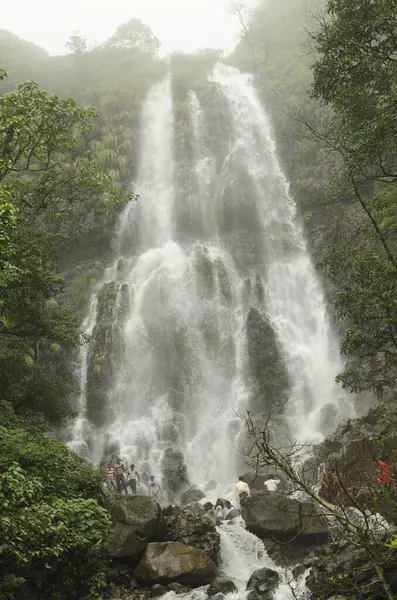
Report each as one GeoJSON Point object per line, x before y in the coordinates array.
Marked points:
{"type": "Point", "coordinates": [154, 488]}
{"type": "Point", "coordinates": [384, 471]}
{"type": "Point", "coordinates": [272, 483]}
{"type": "Point", "coordinates": [242, 489]}
{"type": "Point", "coordinates": [133, 479]}
{"type": "Point", "coordinates": [120, 477]}
{"type": "Point", "coordinates": [110, 477]}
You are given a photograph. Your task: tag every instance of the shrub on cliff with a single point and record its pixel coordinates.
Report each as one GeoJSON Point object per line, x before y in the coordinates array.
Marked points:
{"type": "Point", "coordinates": [50, 192]}
{"type": "Point", "coordinates": [53, 531]}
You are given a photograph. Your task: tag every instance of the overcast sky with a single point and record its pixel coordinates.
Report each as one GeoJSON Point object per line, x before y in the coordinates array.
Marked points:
{"type": "Point", "coordinates": [180, 24]}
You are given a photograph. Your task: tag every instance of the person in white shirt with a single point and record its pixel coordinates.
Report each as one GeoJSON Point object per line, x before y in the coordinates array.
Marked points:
{"type": "Point", "coordinates": [272, 483]}
{"type": "Point", "coordinates": [242, 489]}
{"type": "Point", "coordinates": [154, 488]}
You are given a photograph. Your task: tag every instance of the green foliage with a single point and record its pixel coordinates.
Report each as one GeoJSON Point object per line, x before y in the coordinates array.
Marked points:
{"type": "Point", "coordinates": [62, 473]}
{"type": "Point", "coordinates": [135, 35]}
{"type": "Point", "coordinates": [49, 191]}
{"type": "Point", "coordinates": [53, 532]}
{"type": "Point", "coordinates": [355, 71]}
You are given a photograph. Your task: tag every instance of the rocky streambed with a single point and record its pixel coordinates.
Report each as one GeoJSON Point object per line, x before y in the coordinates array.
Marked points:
{"type": "Point", "coordinates": [282, 547]}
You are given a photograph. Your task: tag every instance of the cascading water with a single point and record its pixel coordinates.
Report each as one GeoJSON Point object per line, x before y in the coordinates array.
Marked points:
{"type": "Point", "coordinates": [212, 273]}
{"type": "Point", "coordinates": [294, 300]}
{"type": "Point", "coordinates": [213, 304]}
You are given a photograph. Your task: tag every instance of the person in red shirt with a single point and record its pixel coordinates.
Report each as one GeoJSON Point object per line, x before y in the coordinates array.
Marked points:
{"type": "Point", "coordinates": [384, 471]}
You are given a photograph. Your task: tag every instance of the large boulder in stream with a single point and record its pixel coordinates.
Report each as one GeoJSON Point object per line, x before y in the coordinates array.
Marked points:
{"type": "Point", "coordinates": [172, 561]}
{"type": "Point", "coordinates": [221, 585]}
{"type": "Point", "coordinates": [262, 584]}
{"type": "Point", "coordinates": [138, 520]}
{"type": "Point", "coordinates": [273, 514]}
{"type": "Point", "coordinates": [190, 525]}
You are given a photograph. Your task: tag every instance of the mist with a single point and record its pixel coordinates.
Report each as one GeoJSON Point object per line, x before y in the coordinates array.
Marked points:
{"type": "Point", "coordinates": [185, 25]}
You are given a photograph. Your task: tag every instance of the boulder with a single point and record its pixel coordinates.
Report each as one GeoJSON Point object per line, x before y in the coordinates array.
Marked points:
{"type": "Point", "coordinates": [190, 525]}
{"type": "Point", "coordinates": [171, 561]}
{"type": "Point", "coordinates": [272, 514]}
{"type": "Point", "coordinates": [191, 495]}
{"type": "Point", "coordinates": [177, 588]}
{"type": "Point", "coordinates": [158, 590]}
{"type": "Point", "coordinates": [262, 584]}
{"type": "Point", "coordinates": [328, 569]}
{"type": "Point", "coordinates": [174, 473]}
{"type": "Point", "coordinates": [221, 585]}
{"type": "Point", "coordinates": [298, 571]}
{"type": "Point", "coordinates": [138, 519]}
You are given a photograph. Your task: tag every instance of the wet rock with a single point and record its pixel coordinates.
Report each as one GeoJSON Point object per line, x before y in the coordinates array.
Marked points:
{"type": "Point", "coordinates": [269, 514]}
{"type": "Point", "coordinates": [167, 511]}
{"type": "Point", "coordinates": [190, 525]}
{"type": "Point", "coordinates": [211, 485]}
{"type": "Point", "coordinates": [172, 561]}
{"type": "Point", "coordinates": [266, 364]}
{"type": "Point", "coordinates": [221, 585]}
{"type": "Point", "coordinates": [328, 569]}
{"type": "Point", "coordinates": [208, 506]}
{"type": "Point", "coordinates": [262, 584]}
{"type": "Point", "coordinates": [120, 574]}
{"type": "Point", "coordinates": [138, 519]}
{"type": "Point", "coordinates": [298, 571]}
{"type": "Point", "coordinates": [158, 590]}
{"type": "Point", "coordinates": [174, 473]}
{"type": "Point", "coordinates": [177, 588]}
{"type": "Point", "coordinates": [103, 351]}
{"type": "Point", "coordinates": [191, 495]}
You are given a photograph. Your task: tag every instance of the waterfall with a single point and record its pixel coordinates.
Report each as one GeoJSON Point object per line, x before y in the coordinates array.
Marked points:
{"type": "Point", "coordinates": [294, 299]}
{"type": "Point", "coordinates": [213, 304]}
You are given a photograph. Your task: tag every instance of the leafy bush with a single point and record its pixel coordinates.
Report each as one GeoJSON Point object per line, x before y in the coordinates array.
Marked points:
{"type": "Point", "coordinates": [53, 531]}
{"type": "Point", "coordinates": [62, 473]}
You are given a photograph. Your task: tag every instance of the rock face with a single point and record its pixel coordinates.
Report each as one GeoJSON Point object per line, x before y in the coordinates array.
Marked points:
{"type": "Point", "coordinates": [104, 347]}
{"type": "Point", "coordinates": [172, 561]}
{"type": "Point", "coordinates": [221, 585]}
{"type": "Point", "coordinates": [262, 583]}
{"type": "Point", "coordinates": [174, 473]}
{"type": "Point", "coordinates": [327, 577]}
{"type": "Point", "coordinates": [191, 526]}
{"type": "Point", "coordinates": [191, 495]}
{"type": "Point", "coordinates": [267, 367]}
{"type": "Point", "coordinates": [138, 519]}
{"type": "Point", "coordinates": [353, 452]}
{"type": "Point", "coordinates": [271, 514]}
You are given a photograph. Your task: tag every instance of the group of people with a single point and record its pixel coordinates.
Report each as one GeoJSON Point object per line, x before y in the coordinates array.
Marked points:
{"type": "Point", "coordinates": [333, 485]}
{"type": "Point", "coordinates": [121, 480]}
{"type": "Point", "coordinates": [243, 490]}
{"type": "Point", "coordinates": [223, 510]}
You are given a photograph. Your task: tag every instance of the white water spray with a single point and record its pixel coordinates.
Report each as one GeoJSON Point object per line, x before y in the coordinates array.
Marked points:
{"type": "Point", "coordinates": [189, 282]}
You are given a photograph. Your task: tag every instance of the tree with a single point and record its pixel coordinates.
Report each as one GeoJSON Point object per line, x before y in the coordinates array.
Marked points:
{"type": "Point", "coordinates": [76, 43]}
{"type": "Point", "coordinates": [135, 35]}
{"type": "Point", "coordinates": [50, 190]}
{"type": "Point", "coordinates": [355, 70]}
